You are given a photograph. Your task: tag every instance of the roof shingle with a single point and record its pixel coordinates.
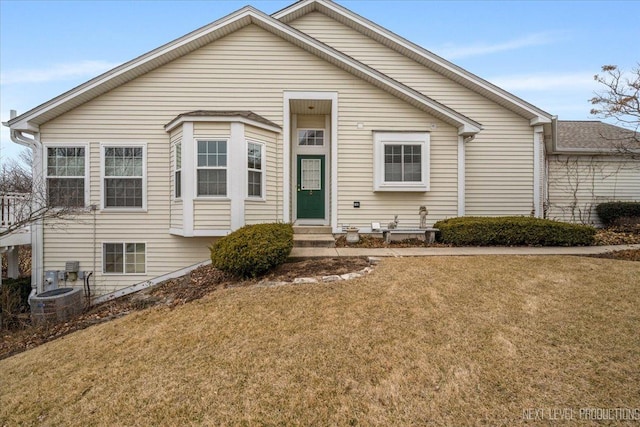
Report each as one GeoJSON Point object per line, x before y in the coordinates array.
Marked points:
{"type": "Point", "coordinates": [594, 136]}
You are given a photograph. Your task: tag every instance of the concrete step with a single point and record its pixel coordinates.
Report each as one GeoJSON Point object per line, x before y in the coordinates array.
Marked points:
{"type": "Point", "coordinates": [311, 229]}
{"type": "Point", "coordinates": [313, 241]}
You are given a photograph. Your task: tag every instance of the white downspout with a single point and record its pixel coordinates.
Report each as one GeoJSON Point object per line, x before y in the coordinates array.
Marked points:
{"type": "Point", "coordinates": [37, 236]}
{"type": "Point", "coordinates": [462, 172]}
{"type": "Point", "coordinates": [538, 141]}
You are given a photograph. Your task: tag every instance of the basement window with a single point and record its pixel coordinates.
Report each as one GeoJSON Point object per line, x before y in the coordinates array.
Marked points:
{"type": "Point", "coordinates": [124, 258]}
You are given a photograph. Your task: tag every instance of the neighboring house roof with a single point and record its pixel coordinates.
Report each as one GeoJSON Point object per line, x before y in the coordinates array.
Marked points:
{"type": "Point", "coordinates": [244, 116]}
{"type": "Point", "coordinates": [594, 137]}
{"type": "Point", "coordinates": [248, 15]}
{"type": "Point", "coordinates": [417, 53]}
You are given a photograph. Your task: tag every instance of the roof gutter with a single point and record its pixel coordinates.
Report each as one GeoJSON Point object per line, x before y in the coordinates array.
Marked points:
{"type": "Point", "coordinates": [37, 235]}
{"type": "Point", "coordinates": [18, 137]}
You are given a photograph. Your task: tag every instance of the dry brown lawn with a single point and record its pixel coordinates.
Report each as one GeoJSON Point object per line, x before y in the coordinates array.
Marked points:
{"type": "Point", "coordinates": [420, 341]}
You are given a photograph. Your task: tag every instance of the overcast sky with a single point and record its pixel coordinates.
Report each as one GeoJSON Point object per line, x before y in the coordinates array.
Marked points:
{"type": "Point", "coordinates": [545, 52]}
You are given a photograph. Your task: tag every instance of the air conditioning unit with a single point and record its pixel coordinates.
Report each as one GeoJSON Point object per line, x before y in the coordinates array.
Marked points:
{"type": "Point", "coordinates": [56, 305]}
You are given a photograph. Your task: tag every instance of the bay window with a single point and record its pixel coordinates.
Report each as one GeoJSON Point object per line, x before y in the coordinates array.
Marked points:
{"type": "Point", "coordinates": [212, 168]}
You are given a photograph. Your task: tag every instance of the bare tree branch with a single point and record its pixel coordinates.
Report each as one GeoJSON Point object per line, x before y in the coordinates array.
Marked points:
{"type": "Point", "coordinates": [21, 205]}
{"type": "Point", "coordinates": [620, 100]}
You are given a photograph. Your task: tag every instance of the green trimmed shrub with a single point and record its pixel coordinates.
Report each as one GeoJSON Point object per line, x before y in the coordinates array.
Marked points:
{"type": "Point", "coordinates": [253, 249]}
{"type": "Point", "coordinates": [512, 231]}
{"type": "Point", "coordinates": [614, 213]}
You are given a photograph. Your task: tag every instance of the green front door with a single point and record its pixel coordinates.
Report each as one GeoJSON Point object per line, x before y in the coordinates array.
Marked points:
{"type": "Point", "coordinates": [311, 185]}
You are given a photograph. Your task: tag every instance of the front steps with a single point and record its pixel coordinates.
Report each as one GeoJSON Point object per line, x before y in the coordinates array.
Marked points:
{"type": "Point", "coordinates": [313, 237]}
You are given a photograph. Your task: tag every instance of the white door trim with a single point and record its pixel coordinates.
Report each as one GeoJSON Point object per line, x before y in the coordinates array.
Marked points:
{"type": "Point", "coordinates": [331, 163]}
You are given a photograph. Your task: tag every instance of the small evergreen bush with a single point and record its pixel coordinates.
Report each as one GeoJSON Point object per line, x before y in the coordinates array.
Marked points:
{"type": "Point", "coordinates": [618, 213]}
{"type": "Point", "coordinates": [253, 249]}
{"type": "Point", "coordinates": [512, 231]}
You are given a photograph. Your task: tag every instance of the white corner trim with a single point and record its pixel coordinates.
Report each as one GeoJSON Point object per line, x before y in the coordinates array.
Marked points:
{"type": "Point", "coordinates": [189, 159]}
{"type": "Point", "coordinates": [334, 161]}
{"type": "Point", "coordinates": [237, 173]}
{"type": "Point", "coordinates": [538, 138]}
{"type": "Point", "coordinates": [286, 159]}
{"type": "Point", "coordinates": [461, 176]}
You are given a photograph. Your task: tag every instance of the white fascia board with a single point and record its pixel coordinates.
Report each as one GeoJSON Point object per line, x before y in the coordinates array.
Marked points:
{"type": "Point", "coordinates": [129, 67]}
{"type": "Point", "coordinates": [466, 130]}
{"type": "Point", "coordinates": [536, 121]}
{"type": "Point", "coordinates": [399, 43]}
{"type": "Point", "coordinates": [22, 126]}
{"type": "Point", "coordinates": [289, 10]}
{"type": "Point", "coordinates": [227, 119]}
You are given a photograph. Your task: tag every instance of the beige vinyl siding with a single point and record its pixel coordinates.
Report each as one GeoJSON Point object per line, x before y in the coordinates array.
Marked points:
{"type": "Point", "coordinates": [247, 70]}
{"type": "Point", "coordinates": [356, 179]}
{"type": "Point", "coordinates": [578, 183]}
{"type": "Point", "coordinates": [211, 214]}
{"type": "Point", "coordinates": [311, 121]}
{"type": "Point", "coordinates": [269, 210]}
{"type": "Point", "coordinates": [499, 166]}
{"type": "Point", "coordinates": [204, 130]}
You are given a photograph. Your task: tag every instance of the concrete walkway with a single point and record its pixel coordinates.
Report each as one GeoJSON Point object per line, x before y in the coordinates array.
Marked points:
{"type": "Point", "coordinates": [464, 251]}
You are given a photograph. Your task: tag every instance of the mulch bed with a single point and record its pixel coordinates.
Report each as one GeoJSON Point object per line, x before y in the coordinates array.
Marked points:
{"type": "Point", "coordinates": [626, 255]}
{"type": "Point", "coordinates": [377, 242]}
{"type": "Point", "coordinates": [171, 293]}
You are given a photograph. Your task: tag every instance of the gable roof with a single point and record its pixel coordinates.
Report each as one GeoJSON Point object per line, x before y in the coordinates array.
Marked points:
{"type": "Point", "coordinates": [593, 137]}
{"type": "Point", "coordinates": [417, 53]}
{"type": "Point", "coordinates": [248, 15]}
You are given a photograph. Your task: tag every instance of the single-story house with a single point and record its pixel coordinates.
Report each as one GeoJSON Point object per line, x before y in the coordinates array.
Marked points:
{"type": "Point", "coordinates": [312, 115]}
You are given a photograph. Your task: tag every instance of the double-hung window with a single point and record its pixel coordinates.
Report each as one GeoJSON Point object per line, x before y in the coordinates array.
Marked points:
{"type": "Point", "coordinates": [401, 161]}
{"type": "Point", "coordinates": [178, 171]}
{"type": "Point", "coordinates": [124, 258]}
{"type": "Point", "coordinates": [124, 177]}
{"type": "Point", "coordinates": [66, 175]}
{"type": "Point", "coordinates": [255, 170]}
{"type": "Point", "coordinates": [212, 168]}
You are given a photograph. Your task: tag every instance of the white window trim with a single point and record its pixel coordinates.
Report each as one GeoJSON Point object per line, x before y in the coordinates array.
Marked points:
{"type": "Point", "coordinates": [87, 174]}
{"type": "Point", "coordinates": [177, 146]}
{"type": "Point", "coordinates": [263, 160]}
{"type": "Point", "coordinates": [197, 196]}
{"type": "Point", "coordinates": [120, 242]}
{"type": "Point", "coordinates": [380, 139]}
{"type": "Point", "coordinates": [143, 145]}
